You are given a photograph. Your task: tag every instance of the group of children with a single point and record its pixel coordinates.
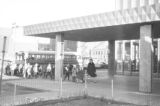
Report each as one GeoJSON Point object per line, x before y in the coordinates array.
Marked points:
{"type": "Point", "coordinates": [76, 72]}
{"type": "Point", "coordinates": [30, 71]}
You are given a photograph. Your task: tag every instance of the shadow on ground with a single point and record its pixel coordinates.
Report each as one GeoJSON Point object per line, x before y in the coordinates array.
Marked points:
{"type": "Point", "coordinates": [80, 101]}
{"type": "Point", "coordinates": [8, 89]}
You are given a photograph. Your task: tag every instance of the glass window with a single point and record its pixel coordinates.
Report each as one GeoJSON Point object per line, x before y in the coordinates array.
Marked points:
{"type": "Point", "coordinates": [74, 57]}
{"type": "Point", "coordinates": [43, 56]}
{"type": "Point", "coordinates": [37, 56]}
{"type": "Point", "coordinates": [51, 56]}
{"type": "Point", "coordinates": [66, 56]}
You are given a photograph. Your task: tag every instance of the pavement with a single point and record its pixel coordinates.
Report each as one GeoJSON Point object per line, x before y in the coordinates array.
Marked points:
{"type": "Point", "coordinates": [124, 88]}
{"type": "Point", "coordinates": [6, 77]}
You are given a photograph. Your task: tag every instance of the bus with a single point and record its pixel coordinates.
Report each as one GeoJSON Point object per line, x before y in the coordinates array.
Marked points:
{"type": "Point", "coordinates": [44, 57]}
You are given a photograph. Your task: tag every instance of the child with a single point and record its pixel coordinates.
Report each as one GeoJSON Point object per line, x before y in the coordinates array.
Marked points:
{"type": "Point", "coordinates": [80, 75]}
{"type": "Point", "coordinates": [74, 73]}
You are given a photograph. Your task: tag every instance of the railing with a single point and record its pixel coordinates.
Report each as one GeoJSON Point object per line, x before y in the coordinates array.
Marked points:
{"type": "Point", "coordinates": [24, 90]}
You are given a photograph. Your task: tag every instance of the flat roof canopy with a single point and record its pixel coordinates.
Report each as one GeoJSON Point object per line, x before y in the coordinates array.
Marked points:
{"type": "Point", "coordinates": [116, 25]}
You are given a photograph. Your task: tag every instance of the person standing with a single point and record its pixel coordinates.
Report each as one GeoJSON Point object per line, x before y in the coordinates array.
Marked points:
{"type": "Point", "coordinates": [35, 69]}
{"type": "Point", "coordinates": [91, 70]}
{"type": "Point", "coordinates": [70, 66]}
{"type": "Point", "coordinates": [53, 72]}
{"type": "Point", "coordinates": [40, 73]}
{"type": "Point", "coordinates": [74, 73]}
{"type": "Point", "coordinates": [7, 69]}
{"type": "Point", "coordinates": [49, 71]}
{"type": "Point", "coordinates": [66, 72]}
{"type": "Point", "coordinates": [25, 68]}
{"type": "Point", "coordinates": [29, 69]}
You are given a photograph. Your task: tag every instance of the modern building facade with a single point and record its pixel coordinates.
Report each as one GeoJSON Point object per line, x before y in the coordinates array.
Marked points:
{"type": "Point", "coordinates": [127, 56]}
{"type": "Point", "coordinates": [138, 20]}
{"type": "Point", "coordinates": [127, 4]}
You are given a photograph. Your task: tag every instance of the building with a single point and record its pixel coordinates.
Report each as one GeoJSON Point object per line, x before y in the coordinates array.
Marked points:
{"type": "Point", "coordinates": [133, 20]}
{"type": "Point", "coordinates": [126, 4]}
{"type": "Point", "coordinates": [16, 41]}
{"type": "Point", "coordinates": [100, 52]}
{"type": "Point", "coordinates": [44, 47]}
{"type": "Point", "coordinates": [127, 52]}
{"type": "Point", "coordinates": [70, 46]}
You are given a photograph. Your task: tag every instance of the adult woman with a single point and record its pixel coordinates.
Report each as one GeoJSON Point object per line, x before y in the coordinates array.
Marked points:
{"type": "Point", "coordinates": [91, 70]}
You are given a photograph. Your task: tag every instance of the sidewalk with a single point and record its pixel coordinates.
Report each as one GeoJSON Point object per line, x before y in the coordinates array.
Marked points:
{"type": "Point", "coordinates": [125, 88]}
{"type": "Point", "coordinates": [6, 77]}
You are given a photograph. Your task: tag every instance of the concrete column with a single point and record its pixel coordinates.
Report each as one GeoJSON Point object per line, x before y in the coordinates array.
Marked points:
{"type": "Point", "coordinates": [118, 56]}
{"type": "Point", "coordinates": [129, 4]}
{"type": "Point", "coordinates": [131, 50]}
{"type": "Point", "coordinates": [59, 56]}
{"type": "Point", "coordinates": [111, 58]}
{"type": "Point", "coordinates": [145, 74]}
{"type": "Point", "coordinates": [123, 54]}
{"type": "Point", "coordinates": [158, 55]}
{"type": "Point", "coordinates": [131, 55]}
{"type": "Point", "coordinates": [121, 4]}
{"type": "Point", "coordinates": [123, 50]}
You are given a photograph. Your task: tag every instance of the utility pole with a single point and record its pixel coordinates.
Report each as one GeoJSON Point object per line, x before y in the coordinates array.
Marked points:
{"type": "Point", "coordinates": [3, 54]}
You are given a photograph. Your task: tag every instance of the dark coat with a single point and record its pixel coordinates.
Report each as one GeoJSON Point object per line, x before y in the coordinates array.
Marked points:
{"type": "Point", "coordinates": [91, 70]}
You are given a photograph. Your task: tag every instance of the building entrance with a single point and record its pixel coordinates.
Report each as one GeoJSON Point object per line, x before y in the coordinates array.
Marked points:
{"type": "Point", "coordinates": [127, 57]}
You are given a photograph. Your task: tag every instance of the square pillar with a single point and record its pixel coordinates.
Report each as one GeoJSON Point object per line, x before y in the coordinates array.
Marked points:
{"type": "Point", "coordinates": [145, 73]}
{"type": "Point", "coordinates": [59, 56]}
{"type": "Point", "coordinates": [111, 58]}
{"type": "Point", "coordinates": [131, 50]}
{"type": "Point", "coordinates": [118, 56]}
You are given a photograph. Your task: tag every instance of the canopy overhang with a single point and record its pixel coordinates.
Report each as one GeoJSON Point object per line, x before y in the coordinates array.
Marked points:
{"type": "Point", "coordinates": [116, 25]}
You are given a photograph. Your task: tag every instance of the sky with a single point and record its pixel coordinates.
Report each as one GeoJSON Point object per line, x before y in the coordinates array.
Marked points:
{"type": "Point", "coordinates": [26, 12]}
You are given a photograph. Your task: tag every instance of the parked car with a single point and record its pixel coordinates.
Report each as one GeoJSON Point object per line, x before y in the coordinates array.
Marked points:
{"type": "Point", "coordinates": [104, 65]}
{"type": "Point", "coordinates": [101, 65]}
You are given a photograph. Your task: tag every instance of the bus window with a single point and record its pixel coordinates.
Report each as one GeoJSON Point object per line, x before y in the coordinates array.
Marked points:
{"type": "Point", "coordinates": [79, 57]}
{"type": "Point", "coordinates": [73, 57]}
{"type": "Point", "coordinates": [35, 56]}
{"type": "Point", "coordinates": [43, 56]}
{"type": "Point", "coordinates": [51, 56]}
{"type": "Point", "coordinates": [38, 56]}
